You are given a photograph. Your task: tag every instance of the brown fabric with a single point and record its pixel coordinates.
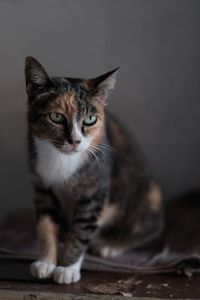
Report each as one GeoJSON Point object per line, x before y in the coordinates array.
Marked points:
{"type": "Point", "coordinates": [176, 251]}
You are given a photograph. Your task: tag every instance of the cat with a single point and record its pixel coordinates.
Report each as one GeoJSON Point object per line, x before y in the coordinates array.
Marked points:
{"type": "Point", "coordinates": [92, 189]}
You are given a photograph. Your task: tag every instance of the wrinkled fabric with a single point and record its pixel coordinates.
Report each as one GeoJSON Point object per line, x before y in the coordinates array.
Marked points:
{"type": "Point", "coordinates": [177, 250]}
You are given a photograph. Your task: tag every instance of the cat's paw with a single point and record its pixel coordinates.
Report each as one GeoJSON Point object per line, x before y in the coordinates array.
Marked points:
{"type": "Point", "coordinates": [110, 252]}
{"type": "Point", "coordinates": [42, 270]}
{"type": "Point", "coordinates": [66, 275]}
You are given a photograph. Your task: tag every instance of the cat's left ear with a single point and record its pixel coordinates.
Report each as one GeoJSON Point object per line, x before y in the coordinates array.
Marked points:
{"type": "Point", "coordinates": [36, 76]}
{"type": "Point", "coordinates": [101, 85]}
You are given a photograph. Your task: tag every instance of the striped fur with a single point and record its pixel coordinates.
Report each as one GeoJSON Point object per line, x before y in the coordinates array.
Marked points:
{"type": "Point", "coordinates": [92, 189]}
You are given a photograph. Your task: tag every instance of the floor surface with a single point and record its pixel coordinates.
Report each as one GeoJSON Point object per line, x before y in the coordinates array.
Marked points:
{"type": "Point", "coordinates": [16, 283]}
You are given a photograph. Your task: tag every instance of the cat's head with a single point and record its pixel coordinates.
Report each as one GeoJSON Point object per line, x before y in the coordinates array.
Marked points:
{"type": "Point", "coordinates": [67, 112]}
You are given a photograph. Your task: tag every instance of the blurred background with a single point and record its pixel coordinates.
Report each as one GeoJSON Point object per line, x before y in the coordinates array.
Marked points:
{"type": "Point", "coordinates": [157, 96]}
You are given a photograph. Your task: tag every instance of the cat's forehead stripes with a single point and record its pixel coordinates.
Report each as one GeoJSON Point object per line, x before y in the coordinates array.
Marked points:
{"type": "Point", "coordinates": [70, 104]}
{"type": "Point", "coordinates": [67, 103]}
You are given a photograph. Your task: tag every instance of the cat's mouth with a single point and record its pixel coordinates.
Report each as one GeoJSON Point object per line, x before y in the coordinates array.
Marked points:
{"type": "Point", "coordinates": [70, 148]}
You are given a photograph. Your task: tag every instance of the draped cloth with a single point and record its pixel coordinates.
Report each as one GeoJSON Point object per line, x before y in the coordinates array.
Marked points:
{"type": "Point", "coordinates": [177, 250]}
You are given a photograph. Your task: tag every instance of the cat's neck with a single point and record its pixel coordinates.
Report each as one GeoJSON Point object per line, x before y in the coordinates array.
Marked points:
{"type": "Point", "coordinates": [54, 166]}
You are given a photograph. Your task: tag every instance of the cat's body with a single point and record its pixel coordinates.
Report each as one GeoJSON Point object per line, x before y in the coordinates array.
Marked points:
{"type": "Point", "coordinates": [92, 190]}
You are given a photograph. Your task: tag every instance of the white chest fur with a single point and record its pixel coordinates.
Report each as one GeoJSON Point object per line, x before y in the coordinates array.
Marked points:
{"type": "Point", "coordinates": [53, 166]}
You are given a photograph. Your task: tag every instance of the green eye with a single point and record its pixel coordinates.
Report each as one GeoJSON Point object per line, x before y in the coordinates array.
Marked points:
{"type": "Point", "coordinates": [57, 118]}
{"type": "Point", "coordinates": [89, 121]}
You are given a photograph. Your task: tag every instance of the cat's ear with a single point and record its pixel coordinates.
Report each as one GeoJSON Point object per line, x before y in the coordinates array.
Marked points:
{"type": "Point", "coordinates": [101, 85]}
{"type": "Point", "coordinates": [36, 75]}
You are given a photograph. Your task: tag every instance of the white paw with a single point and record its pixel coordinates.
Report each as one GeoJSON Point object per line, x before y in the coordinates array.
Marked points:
{"type": "Point", "coordinates": [110, 252]}
{"type": "Point", "coordinates": [66, 275]}
{"type": "Point", "coordinates": [42, 270]}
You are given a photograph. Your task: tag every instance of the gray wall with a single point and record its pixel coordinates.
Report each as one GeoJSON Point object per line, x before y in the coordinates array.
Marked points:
{"type": "Point", "coordinates": [157, 45]}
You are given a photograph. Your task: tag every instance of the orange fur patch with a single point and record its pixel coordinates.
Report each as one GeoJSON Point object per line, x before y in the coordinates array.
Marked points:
{"type": "Point", "coordinates": [154, 197]}
{"type": "Point", "coordinates": [47, 239]}
{"type": "Point", "coordinates": [108, 213]}
{"type": "Point", "coordinates": [67, 103]}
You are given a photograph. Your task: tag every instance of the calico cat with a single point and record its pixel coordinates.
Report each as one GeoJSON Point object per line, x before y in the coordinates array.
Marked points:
{"type": "Point", "coordinates": [92, 190]}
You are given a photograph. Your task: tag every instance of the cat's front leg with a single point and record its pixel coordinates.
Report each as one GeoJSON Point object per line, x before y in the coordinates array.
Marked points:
{"type": "Point", "coordinates": [83, 229]}
{"type": "Point", "coordinates": [47, 248]}
{"type": "Point", "coordinates": [47, 231]}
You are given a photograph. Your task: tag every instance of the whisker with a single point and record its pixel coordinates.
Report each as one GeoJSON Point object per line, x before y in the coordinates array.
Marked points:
{"type": "Point", "coordinates": [99, 150]}
{"type": "Point", "coordinates": [89, 155]}
{"type": "Point", "coordinates": [94, 156]}
{"type": "Point", "coordinates": [106, 147]}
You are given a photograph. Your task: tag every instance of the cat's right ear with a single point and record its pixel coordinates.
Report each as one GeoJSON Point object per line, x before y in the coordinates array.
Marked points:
{"type": "Point", "coordinates": [36, 76]}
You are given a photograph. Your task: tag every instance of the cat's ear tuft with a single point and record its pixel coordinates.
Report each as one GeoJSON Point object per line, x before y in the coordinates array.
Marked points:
{"type": "Point", "coordinates": [35, 74]}
{"type": "Point", "coordinates": [101, 85]}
